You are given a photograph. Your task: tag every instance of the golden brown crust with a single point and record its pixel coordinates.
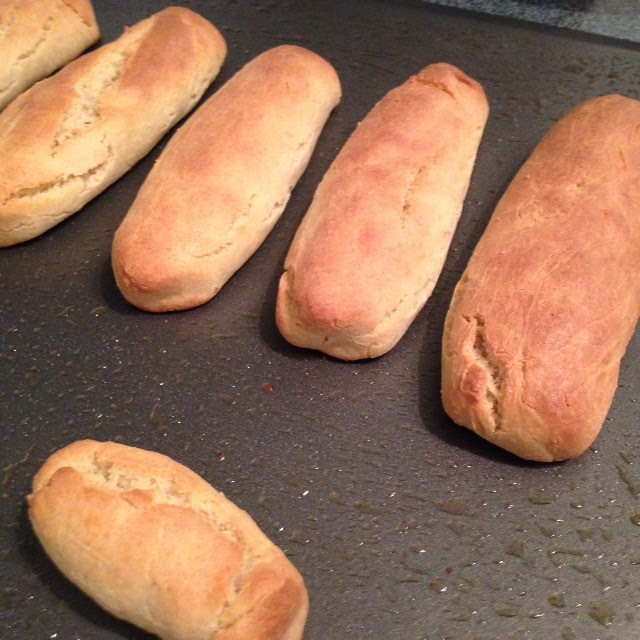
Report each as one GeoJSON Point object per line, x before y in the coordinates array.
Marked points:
{"type": "Point", "coordinates": [154, 544]}
{"type": "Point", "coordinates": [72, 135]}
{"type": "Point", "coordinates": [39, 36]}
{"type": "Point", "coordinates": [543, 313]}
{"type": "Point", "coordinates": [223, 180]}
{"type": "Point", "coordinates": [371, 247]}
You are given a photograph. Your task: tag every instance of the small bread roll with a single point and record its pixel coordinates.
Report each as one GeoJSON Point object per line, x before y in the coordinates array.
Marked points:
{"type": "Point", "coordinates": [543, 313]}
{"type": "Point", "coordinates": [155, 545]}
{"type": "Point", "coordinates": [39, 36]}
{"type": "Point", "coordinates": [69, 137]}
{"type": "Point", "coordinates": [371, 247]}
{"type": "Point", "coordinates": [223, 181]}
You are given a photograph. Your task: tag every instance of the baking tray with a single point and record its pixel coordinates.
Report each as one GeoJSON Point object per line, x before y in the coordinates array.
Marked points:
{"type": "Point", "coordinates": [404, 526]}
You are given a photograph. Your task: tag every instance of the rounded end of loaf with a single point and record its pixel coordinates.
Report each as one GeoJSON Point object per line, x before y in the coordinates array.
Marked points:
{"type": "Point", "coordinates": [85, 11]}
{"type": "Point", "coordinates": [157, 299]}
{"type": "Point", "coordinates": [87, 34]}
{"type": "Point", "coordinates": [209, 36]}
{"type": "Point", "coordinates": [61, 458]}
{"type": "Point", "coordinates": [335, 327]}
{"type": "Point", "coordinates": [272, 605]}
{"type": "Point", "coordinates": [492, 394]}
{"type": "Point", "coordinates": [315, 67]}
{"type": "Point", "coordinates": [155, 282]}
{"type": "Point", "coordinates": [468, 94]}
{"type": "Point", "coordinates": [177, 43]}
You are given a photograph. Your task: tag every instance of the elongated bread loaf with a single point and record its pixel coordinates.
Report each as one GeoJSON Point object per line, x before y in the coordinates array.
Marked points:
{"type": "Point", "coordinates": [69, 137]}
{"type": "Point", "coordinates": [154, 544]}
{"type": "Point", "coordinates": [223, 181]}
{"type": "Point", "coordinates": [371, 247]}
{"type": "Point", "coordinates": [39, 36]}
{"type": "Point", "coordinates": [543, 313]}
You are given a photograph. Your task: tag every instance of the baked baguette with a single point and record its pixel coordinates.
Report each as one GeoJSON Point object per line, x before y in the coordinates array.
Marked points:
{"type": "Point", "coordinates": [69, 137]}
{"type": "Point", "coordinates": [154, 544]}
{"type": "Point", "coordinates": [371, 247]}
{"type": "Point", "coordinates": [39, 36]}
{"type": "Point", "coordinates": [547, 305]}
{"type": "Point", "coordinates": [223, 181]}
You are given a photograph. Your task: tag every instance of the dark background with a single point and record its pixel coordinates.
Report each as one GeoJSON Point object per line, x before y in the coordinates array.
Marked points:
{"type": "Point", "coordinates": [405, 526]}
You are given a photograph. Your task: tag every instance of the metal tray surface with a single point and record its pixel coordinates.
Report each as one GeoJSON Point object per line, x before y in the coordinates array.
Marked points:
{"type": "Point", "coordinates": [404, 526]}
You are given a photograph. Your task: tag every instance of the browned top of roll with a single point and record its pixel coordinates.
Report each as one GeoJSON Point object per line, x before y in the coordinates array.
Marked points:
{"type": "Point", "coordinates": [223, 180]}
{"type": "Point", "coordinates": [73, 134]}
{"type": "Point", "coordinates": [373, 242]}
{"type": "Point", "coordinates": [153, 543]}
{"type": "Point", "coordinates": [544, 312]}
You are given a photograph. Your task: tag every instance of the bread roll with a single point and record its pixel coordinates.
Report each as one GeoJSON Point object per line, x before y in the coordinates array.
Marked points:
{"type": "Point", "coordinates": [39, 36]}
{"type": "Point", "coordinates": [223, 181]}
{"type": "Point", "coordinates": [543, 313]}
{"type": "Point", "coordinates": [371, 247]}
{"type": "Point", "coordinates": [154, 544]}
{"type": "Point", "coordinates": [72, 135]}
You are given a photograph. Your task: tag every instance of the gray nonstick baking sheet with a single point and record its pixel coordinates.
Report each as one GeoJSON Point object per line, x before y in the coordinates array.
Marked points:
{"type": "Point", "coordinates": [404, 526]}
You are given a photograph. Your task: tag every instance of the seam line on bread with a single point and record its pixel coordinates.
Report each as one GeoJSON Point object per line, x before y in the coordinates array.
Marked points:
{"type": "Point", "coordinates": [7, 87]}
{"type": "Point", "coordinates": [100, 467]}
{"type": "Point", "coordinates": [85, 113]}
{"type": "Point", "coordinates": [31, 192]}
{"type": "Point", "coordinates": [172, 496]}
{"type": "Point", "coordinates": [226, 625]}
{"type": "Point", "coordinates": [494, 370]}
{"type": "Point", "coordinates": [6, 26]}
{"type": "Point", "coordinates": [440, 86]}
{"type": "Point", "coordinates": [46, 27]}
{"type": "Point", "coordinates": [238, 222]}
{"type": "Point", "coordinates": [61, 181]}
{"type": "Point", "coordinates": [623, 159]}
{"type": "Point", "coordinates": [407, 201]}
{"type": "Point", "coordinates": [415, 295]}
{"type": "Point", "coordinates": [71, 8]}
{"type": "Point", "coordinates": [223, 625]}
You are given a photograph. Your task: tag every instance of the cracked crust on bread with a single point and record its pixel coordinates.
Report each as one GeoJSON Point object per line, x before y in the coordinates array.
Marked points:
{"type": "Point", "coordinates": [154, 544]}
{"type": "Point", "coordinates": [69, 137]}
{"type": "Point", "coordinates": [371, 247]}
{"type": "Point", "coordinates": [547, 305]}
{"type": "Point", "coordinates": [223, 181]}
{"type": "Point", "coordinates": [39, 36]}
